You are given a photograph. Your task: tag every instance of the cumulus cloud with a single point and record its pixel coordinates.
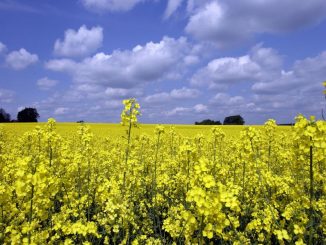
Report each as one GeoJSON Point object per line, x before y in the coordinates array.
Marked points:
{"type": "Point", "coordinates": [260, 64]}
{"type": "Point", "coordinates": [6, 95]}
{"type": "Point", "coordinates": [46, 83]}
{"type": "Point", "coordinates": [113, 104]}
{"type": "Point", "coordinates": [20, 59]}
{"type": "Point", "coordinates": [178, 111]}
{"type": "Point", "coordinates": [61, 111]}
{"type": "Point", "coordinates": [158, 98]}
{"type": "Point", "coordinates": [62, 65]}
{"type": "Point", "coordinates": [181, 111]}
{"type": "Point", "coordinates": [265, 89]}
{"type": "Point", "coordinates": [65, 106]}
{"type": "Point", "coordinates": [78, 43]}
{"type": "Point", "coordinates": [227, 70]}
{"type": "Point", "coordinates": [200, 108]}
{"type": "Point", "coordinates": [306, 75]}
{"type": "Point", "coordinates": [110, 5]}
{"type": "Point", "coordinates": [225, 100]}
{"type": "Point", "coordinates": [298, 90]}
{"type": "Point", "coordinates": [191, 59]}
{"type": "Point", "coordinates": [184, 93]}
{"type": "Point", "coordinates": [225, 104]}
{"type": "Point", "coordinates": [122, 93]}
{"type": "Point", "coordinates": [128, 68]}
{"type": "Point", "coordinates": [230, 21]}
{"type": "Point", "coordinates": [175, 94]}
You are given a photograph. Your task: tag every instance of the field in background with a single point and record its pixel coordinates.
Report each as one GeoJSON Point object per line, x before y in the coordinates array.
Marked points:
{"type": "Point", "coordinates": [116, 130]}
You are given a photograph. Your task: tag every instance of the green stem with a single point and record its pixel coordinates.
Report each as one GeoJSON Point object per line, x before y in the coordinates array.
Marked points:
{"type": "Point", "coordinates": [50, 154]}
{"type": "Point", "coordinates": [201, 239]}
{"type": "Point", "coordinates": [188, 170]}
{"type": "Point", "coordinates": [214, 150]}
{"type": "Point", "coordinates": [155, 164]}
{"type": "Point", "coordinates": [31, 214]}
{"type": "Point", "coordinates": [311, 175]}
{"type": "Point", "coordinates": [269, 156]}
{"type": "Point", "coordinates": [156, 221]}
{"type": "Point", "coordinates": [127, 149]}
{"type": "Point", "coordinates": [243, 179]}
{"type": "Point", "coordinates": [88, 189]}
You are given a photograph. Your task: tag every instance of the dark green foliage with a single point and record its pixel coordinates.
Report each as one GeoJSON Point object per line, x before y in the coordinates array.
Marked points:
{"type": "Point", "coordinates": [234, 120]}
{"type": "Point", "coordinates": [28, 115]}
{"type": "Point", "coordinates": [4, 116]}
{"type": "Point", "coordinates": [208, 122]}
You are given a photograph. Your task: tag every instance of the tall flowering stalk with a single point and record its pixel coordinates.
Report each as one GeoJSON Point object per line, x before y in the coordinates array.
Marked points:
{"type": "Point", "coordinates": [129, 118]}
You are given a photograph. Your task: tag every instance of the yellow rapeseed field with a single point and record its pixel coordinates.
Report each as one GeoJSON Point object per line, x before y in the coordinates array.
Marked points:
{"type": "Point", "coordinates": [119, 184]}
{"type": "Point", "coordinates": [103, 130]}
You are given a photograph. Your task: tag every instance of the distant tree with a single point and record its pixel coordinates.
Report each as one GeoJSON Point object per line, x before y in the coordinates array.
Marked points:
{"type": "Point", "coordinates": [4, 116]}
{"type": "Point", "coordinates": [208, 122]}
{"type": "Point", "coordinates": [233, 120]}
{"type": "Point", "coordinates": [28, 115]}
{"type": "Point", "coordinates": [80, 121]}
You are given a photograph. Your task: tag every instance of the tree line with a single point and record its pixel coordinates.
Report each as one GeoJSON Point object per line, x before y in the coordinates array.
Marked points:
{"type": "Point", "coordinates": [231, 120]}
{"type": "Point", "coordinates": [27, 114]}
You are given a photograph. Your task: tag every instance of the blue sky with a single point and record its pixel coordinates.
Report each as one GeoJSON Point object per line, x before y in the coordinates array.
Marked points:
{"type": "Point", "coordinates": [184, 60]}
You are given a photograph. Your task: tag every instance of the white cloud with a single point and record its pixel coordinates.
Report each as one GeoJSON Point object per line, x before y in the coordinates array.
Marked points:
{"type": "Point", "coordinates": [63, 107]}
{"type": "Point", "coordinates": [88, 88]}
{"type": "Point", "coordinates": [177, 111]}
{"type": "Point", "coordinates": [229, 21]}
{"type": "Point", "coordinates": [228, 69]}
{"type": "Point", "coordinates": [113, 104]}
{"type": "Point", "coordinates": [129, 68]}
{"type": "Point", "coordinates": [6, 96]}
{"type": "Point", "coordinates": [175, 94]}
{"type": "Point", "coordinates": [61, 111]}
{"type": "Point", "coordinates": [208, 23]}
{"type": "Point", "coordinates": [200, 108]}
{"type": "Point", "coordinates": [172, 6]}
{"type": "Point", "coordinates": [62, 65]}
{"type": "Point", "coordinates": [181, 111]}
{"type": "Point", "coordinates": [305, 76]}
{"type": "Point", "coordinates": [2, 48]}
{"type": "Point", "coordinates": [20, 59]}
{"type": "Point", "coordinates": [184, 93]}
{"type": "Point", "coordinates": [225, 100]}
{"type": "Point", "coordinates": [158, 98]}
{"type": "Point", "coordinates": [110, 5]}
{"type": "Point", "coordinates": [46, 83]}
{"type": "Point", "coordinates": [191, 59]}
{"type": "Point", "coordinates": [266, 89]}
{"type": "Point", "coordinates": [122, 93]}
{"type": "Point", "coordinates": [260, 64]}
{"type": "Point", "coordinates": [79, 43]}
{"type": "Point", "coordinates": [298, 90]}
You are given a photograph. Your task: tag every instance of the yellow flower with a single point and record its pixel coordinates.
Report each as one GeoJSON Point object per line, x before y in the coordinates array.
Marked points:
{"type": "Point", "coordinates": [282, 234]}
